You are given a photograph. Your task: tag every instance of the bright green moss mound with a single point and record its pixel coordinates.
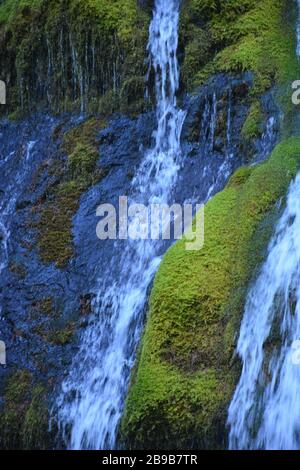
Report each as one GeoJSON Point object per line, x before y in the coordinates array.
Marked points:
{"type": "Point", "coordinates": [185, 374]}
{"type": "Point", "coordinates": [240, 35]}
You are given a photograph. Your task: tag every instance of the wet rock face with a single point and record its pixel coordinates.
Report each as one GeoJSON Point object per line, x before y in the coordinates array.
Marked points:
{"type": "Point", "coordinates": [44, 309]}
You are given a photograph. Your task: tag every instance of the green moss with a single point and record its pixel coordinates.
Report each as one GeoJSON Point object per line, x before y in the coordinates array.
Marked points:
{"type": "Point", "coordinates": [252, 127]}
{"type": "Point", "coordinates": [82, 161]}
{"type": "Point", "coordinates": [18, 270]}
{"type": "Point", "coordinates": [248, 35]}
{"type": "Point", "coordinates": [55, 240]}
{"type": "Point", "coordinates": [240, 176]}
{"type": "Point", "coordinates": [35, 434]}
{"type": "Point", "coordinates": [8, 8]}
{"type": "Point", "coordinates": [84, 134]}
{"type": "Point", "coordinates": [47, 42]}
{"type": "Point", "coordinates": [16, 402]}
{"type": "Point", "coordinates": [46, 306]}
{"type": "Point", "coordinates": [24, 418]}
{"type": "Point", "coordinates": [62, 336]}
{"type": "Point", "coordinates": [76, 175]}
{"type": "Point", "coordinates": [185, 377]}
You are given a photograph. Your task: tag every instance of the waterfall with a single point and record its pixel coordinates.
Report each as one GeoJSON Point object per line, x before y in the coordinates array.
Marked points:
{"type": "Point", "coordinates": [264, 412]}
{"type": "Point", "coordinates": [92, 398]}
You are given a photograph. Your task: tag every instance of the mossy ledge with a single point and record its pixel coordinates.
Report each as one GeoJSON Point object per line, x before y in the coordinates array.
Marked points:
{"type": "Point", "coordinates": [24, 417]}
{"type": "Point", "coordinates": [186, 373]}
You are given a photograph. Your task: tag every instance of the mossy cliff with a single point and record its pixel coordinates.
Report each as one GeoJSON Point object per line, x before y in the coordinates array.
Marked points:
{"type": "Point", "coordinates": [69, 53]}
{"type": "Point", "coordinates": [90, 55]}
{"type": "Point", "coordinates": [238, 35]}
{"type": "Point", "coordinates": [186, 372]}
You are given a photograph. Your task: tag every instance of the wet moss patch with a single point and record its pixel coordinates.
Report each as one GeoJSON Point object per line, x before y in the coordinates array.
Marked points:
{"type": "Point", "coordinates": [24, 417]}
{"type": "Point", "coordinates": [75, 175]}
{"type": "Point", "coordinates": [67, 54]}
{"type": "Point", "coordinates": [185, 374]}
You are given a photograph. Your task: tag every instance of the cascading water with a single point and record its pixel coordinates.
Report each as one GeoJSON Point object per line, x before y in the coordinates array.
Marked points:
{"type": "Point", "coordinates": [264, 413]}
{"type": "Point", "coordinates": [10, 197]}
{"type": "Point", "coordinates": [92, 398]}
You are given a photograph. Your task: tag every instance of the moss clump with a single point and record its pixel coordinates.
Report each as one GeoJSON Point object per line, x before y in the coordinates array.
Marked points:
{"type": "Point", "coordinates": [17, 400]}
{"type": "Point", "coordinates": [82, 161]}
{"type": "Point", "coordinates": [55, 239]}
{"type": "Point", "coordinates": [185, 378]}
{"type": "Point", "coordinates": [247, 35]}
{"type": "Point", "coordinates": [35, 434]}
{"type": "Point", "coordinates": [61, 336]}
{"type": "Point", "coordinates": [18, 270]}
{"type": "Point", "coordinates": [240, 177]}
{"type": "Point", "coordinates": [24, 418]}
{"type": "Point", "coordinates": [84, 134]}
{"type": "Point", "coordinates": [75, 175]}
{"type": "Point", "coordinates": [45, 306]}
{"type": "Point", "coordinates": [252, 127]}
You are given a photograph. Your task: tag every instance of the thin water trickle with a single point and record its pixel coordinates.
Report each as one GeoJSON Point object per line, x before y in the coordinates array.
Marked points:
{"type": "Point", "coordinates": [9, 200]}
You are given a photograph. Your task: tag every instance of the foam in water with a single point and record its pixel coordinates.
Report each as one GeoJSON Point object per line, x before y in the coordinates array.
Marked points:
{"type": "Point", "coordinates": [264, 412]}
{"type": "Point", "coordinates": [92, 398]}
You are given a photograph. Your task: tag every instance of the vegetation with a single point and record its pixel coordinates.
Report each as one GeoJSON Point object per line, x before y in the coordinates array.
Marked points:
{"type": "Point", "coordinates": [50, 56]}
{"type": "Point", "coordinates": [252, 127]}
{"type": "Point", "coordinates": [186, 375]}
{"type": "Point", "coordinates": [247, 35]}
{"type": "Point", "coordinates": [24, 418]}
{"type": "Point", "coordinates": [74, 176]}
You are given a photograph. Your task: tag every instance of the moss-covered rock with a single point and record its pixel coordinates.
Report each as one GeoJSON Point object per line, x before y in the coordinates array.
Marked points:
{"type": "Point", "coordinates": [185, 374]}
{"type": "Point", "coordinates": [252, 127]}
{"type": "Point", "coordinates": [35, 428]}
{"type": "Point", "coordinates": [74, 175]}
{"type": "Point", "coordinates": [68, 53]}
{"type": "Point", "coordinates": [248, 35]}
{"type": "Point", "coordinates": [24, 417]}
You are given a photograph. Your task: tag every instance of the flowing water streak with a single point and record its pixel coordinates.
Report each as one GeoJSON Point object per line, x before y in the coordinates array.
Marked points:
{"type": "Point", "coordinates": [92, 398]}
{"type": "Point", "coordinates": [9, 200]}
{"type": "Point", "coordinates": [264, 412]}
{"type": "Point", "coordinates": [298, 31]}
